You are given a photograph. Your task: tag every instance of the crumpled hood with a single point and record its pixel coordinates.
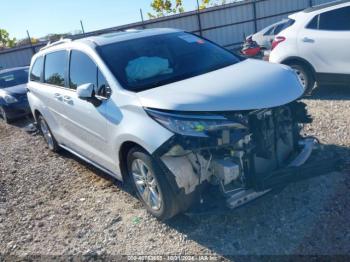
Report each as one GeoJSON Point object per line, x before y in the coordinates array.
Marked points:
{"type": "Point", "coordinates": [248, 85]}
{"type": "Point", "coordinates": [15, 90]}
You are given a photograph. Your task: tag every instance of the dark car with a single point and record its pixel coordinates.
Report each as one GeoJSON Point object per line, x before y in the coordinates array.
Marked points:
{"type": "Point", "coordinates": [13, 93]}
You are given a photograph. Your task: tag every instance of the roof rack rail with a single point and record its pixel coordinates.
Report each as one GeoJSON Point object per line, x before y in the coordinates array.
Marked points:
{"type": "Point", "coordinates": [129, 30]}
{"type": "Point", "coordinates": [61, 41]}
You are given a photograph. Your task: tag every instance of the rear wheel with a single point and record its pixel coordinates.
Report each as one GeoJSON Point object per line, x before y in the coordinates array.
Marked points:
{"type": "Point", "coordinates": [151, 185]}
{"type": "Point", "coordinates": [48, 136]}
{"type": "Point", "coordinates": [3, 116]}
{"type": "Point", "coordinates": [306, 77]}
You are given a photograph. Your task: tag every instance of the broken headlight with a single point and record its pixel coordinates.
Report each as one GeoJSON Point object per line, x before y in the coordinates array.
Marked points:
{"type": "Point", "coordinates": [192, 125]}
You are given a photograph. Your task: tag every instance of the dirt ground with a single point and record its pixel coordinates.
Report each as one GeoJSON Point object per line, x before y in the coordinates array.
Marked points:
{"type": "Point", "coordinates": [55, 204]}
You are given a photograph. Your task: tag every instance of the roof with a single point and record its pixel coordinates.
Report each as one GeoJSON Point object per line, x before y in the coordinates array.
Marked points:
{"type": "Point", "coordinates": [323, 6]}
{"type": "Point", "coordinates": [13, 69]}
{"type": "Point", "coordinates": [109, 38]}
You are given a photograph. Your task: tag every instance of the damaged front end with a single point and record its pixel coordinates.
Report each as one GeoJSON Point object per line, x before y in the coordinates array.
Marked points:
{"type": "Point", "coordinates": [245, 154]}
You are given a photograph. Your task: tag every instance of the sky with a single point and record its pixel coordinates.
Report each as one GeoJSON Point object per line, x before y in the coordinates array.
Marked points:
{"type": "Point", "coordinates": [42, 17]}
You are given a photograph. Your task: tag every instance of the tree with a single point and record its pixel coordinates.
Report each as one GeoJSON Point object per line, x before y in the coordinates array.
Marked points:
{"type": "Point", "coordinates": [166, 7]}
{"type": "Point", "coordinates": [209, 3]}
{"type": "Point", "coordinates": [5, 40]}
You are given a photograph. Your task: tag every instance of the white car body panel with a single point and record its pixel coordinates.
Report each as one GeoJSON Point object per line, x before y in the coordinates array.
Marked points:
{"type": "Point", "coordinates": [325, 50]}
{"type": "Point", "coordinates": [327, 53]}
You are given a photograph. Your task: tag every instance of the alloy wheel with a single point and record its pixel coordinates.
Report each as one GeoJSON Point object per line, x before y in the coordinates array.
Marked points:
{"type": "Point", "coordinates": [47, 134]}
{"type": "Point", "coordinates": [146, 184]}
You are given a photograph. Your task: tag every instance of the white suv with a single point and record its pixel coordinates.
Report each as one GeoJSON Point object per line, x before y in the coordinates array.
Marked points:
{"type": "Point", "coordinates": [317, 45]}
{"type": "Point", "coordinates": [172, 113]}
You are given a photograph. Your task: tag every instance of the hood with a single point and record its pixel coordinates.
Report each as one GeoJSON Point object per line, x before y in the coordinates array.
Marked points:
{"type": "Point", "coordinates": [247, 85]}
{"type": "Point", "coordinates": [15, 90]}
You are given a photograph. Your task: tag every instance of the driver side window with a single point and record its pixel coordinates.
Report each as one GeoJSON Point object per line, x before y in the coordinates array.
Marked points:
{"type": "Point", "coordinates": [83, 70]}
{"type": "Point", "coordinates": [103, 88]}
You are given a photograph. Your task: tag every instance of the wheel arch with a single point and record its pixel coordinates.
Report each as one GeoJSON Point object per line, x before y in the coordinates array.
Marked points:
{"type": "Point", "coordinates": [123, 154]}
{"type": "Point", "coordinates": [37, 113]}
{"type": "Point", "coordinates": [299, 60]}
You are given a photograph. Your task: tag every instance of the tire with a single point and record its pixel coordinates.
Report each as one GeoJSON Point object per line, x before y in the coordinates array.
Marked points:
{"type": "Point", "coordinates": [47, 134]}
{"type": "Point", "coordinates": [150, 182]}
{"type": "Point", "coordinates": [3, 116]}
{"type": "Point", "coordinates": [306, 77]}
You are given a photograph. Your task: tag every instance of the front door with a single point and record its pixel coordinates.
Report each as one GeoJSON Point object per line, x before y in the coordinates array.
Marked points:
{"type": "Point", "coordinates": [86, 123]}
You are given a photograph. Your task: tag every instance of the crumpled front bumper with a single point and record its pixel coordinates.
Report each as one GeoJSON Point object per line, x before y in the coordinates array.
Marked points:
{"type": "Point", "coordinates": [303, 166]}
{"type": "Point", "coordinates": [299, 169]}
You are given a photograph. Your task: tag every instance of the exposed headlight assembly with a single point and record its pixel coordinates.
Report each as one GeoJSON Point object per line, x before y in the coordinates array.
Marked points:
{"type": "Point", "coordinates": [192, 125]}
{"type": "Point", "coordinates": [8, 98]}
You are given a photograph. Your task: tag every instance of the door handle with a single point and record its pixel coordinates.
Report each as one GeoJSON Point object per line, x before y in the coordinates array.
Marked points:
{"type": "Point", "coordinates": [67, 99]}
{"type": "Point", "coordinates": [308, 40]}
{"type": "Point", "coordinates": [58, 96]}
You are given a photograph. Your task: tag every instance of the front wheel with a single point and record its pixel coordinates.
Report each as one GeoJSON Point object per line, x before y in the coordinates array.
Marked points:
{"type": "Point", "coordinates": [48, 136]}
{"type": "Point", "coordinates": [151, 185]}
{"type": "Point", "coordinates": [305, 76]}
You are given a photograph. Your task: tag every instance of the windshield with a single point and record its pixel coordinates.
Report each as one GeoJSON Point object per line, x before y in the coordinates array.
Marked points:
{"type": "Point", "coordinates": [144, 63]}
{"type": "Point", "coordinates": [13, 78]}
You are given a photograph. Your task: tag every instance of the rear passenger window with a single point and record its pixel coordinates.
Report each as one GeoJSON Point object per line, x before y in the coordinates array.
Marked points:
{"type": "Point", "coordinates": [55, 67]}
{"type": "Point", "coordinates": [336, 20]}
{"type": "Point", "coordinates": [82, 70]}
{"type": "Point", "coordinates": [37, 69]}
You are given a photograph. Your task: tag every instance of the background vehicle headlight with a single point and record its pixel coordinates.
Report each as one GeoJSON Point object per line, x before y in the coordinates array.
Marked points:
{"type": "Point", "coordinates": [9, 99]}
{"type": "Point", "coordinates": [192, 125]}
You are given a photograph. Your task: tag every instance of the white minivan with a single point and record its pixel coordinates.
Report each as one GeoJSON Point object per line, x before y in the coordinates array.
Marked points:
{"type": "Point", "coordinates": [316, 45]}
{"type": "Point", "coordinates": [173, 114]}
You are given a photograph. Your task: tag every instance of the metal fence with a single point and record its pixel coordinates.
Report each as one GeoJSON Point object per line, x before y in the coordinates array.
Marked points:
{"type": "Point", "coordinates": [225, 24]}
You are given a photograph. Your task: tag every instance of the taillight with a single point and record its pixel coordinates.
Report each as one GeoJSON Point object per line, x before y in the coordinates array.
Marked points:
{"type": "Point", "coordinates": [277, 41]}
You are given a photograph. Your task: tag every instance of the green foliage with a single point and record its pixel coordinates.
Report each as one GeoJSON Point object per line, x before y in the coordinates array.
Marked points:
{"type": "Point", "coordinates": [5, 40]}
{"type": "Point", "coordinates": [166, 7]}
{"type": "Point", "coordinates": [209, 3]}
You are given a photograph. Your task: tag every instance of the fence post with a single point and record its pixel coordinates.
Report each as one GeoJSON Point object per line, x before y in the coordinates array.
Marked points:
{"type": "Point", "coordinates": [199, 19]}
{"type": "Point", "coordinates": [30, 42]}
{"type": "Point", "coordinates": [311, 4]}
{"type": "Point", "coordinates": [82, 27]}
{"type": "Point", "coordinates": [255, 17]}
{"type": "Point", "coordinates": [143, 21]}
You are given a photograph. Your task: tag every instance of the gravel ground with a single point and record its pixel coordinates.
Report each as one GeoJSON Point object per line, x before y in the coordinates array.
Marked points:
{"type": "Point", "coordinates": [54, 204]}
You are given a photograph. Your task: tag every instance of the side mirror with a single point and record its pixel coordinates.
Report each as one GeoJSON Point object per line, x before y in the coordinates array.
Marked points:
{"type": "Point", "coordinates": [85, 91]}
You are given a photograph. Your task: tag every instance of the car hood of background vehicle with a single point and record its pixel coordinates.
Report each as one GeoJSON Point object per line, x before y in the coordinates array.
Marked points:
{"type": "Point", "coordinates": [15, 90]}
{"type": "Point", "coordinates": [247, 85]}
